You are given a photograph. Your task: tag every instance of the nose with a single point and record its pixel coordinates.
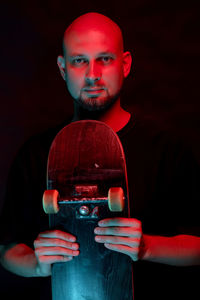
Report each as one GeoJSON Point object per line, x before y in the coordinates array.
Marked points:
{"type": "Point", "coordinates": [93, 73]}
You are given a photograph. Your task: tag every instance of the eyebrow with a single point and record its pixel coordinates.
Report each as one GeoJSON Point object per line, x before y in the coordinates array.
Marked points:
{"type": "Point", "coordinates": [106, 53]}
{"type": "Point", "coordinates": [99, 54]}
{"type": "Point", "coordinates": [76, 55]}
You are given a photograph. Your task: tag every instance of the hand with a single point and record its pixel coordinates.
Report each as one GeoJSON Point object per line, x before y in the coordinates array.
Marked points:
{"type": "Point", "coordinates": [54, 246]}
{"type": "Point", "coordinates": [122, 235]}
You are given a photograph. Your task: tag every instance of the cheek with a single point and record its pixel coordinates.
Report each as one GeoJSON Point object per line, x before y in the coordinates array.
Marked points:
{"type": "Point", "coordinates": [114, 79]}
{"type": "Point", "coordinates": [74, 80]}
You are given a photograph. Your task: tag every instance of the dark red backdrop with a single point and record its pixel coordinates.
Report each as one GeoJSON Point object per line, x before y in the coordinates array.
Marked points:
{"type": "Point", "coordinates": [163, 85]}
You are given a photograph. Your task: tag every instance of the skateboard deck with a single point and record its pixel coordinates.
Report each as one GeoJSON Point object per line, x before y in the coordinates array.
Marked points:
{"type": "Point", "coordinates": [87, 182]}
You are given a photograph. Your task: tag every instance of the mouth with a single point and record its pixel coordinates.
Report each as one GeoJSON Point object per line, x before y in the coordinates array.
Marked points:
{"type": "Point", "coordinates": [93, 92]}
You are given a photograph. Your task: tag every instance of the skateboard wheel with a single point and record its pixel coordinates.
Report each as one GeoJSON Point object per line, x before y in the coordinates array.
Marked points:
{"type": "Point", "coordinates": [50, 201]}
{"type": "Point", "coordinates": [116, 199]}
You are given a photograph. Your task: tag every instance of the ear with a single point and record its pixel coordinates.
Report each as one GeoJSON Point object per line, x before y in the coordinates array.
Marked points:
{"type": "Point", "coordinates": [127, 61]}
{"type": "Point", "coordinates": [61, 65]}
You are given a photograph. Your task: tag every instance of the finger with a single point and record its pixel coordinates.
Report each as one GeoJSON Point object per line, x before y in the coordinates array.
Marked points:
{"type": "Point", "coordinates": [55, 251]}
{"type": "Point", "coordinates": [55, 258]}
{"type": "Point", "coordinates": [132, 252]}
{"type": "Point", "coordinates": [58, 234]}
{"type": "Point", "coordinates": [132, 242]}
{"type": "Point", "coordinates": [47, 242]}
{"type": "Point", "coordinates": [130, 222]}
{"type": "Point", "coordinates": [118, 231]}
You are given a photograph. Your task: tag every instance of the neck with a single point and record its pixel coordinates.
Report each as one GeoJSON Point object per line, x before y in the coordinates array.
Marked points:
{"type": "Point", "coordinates": [115, 117]}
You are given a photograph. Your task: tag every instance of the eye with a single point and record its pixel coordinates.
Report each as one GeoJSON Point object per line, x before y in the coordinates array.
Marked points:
{"type": "Point", "coordinates": [78, 61]}
{"type": "Point", "coordinates": [106, 59]}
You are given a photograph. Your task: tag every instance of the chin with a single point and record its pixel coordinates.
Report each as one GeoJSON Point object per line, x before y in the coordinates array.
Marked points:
{"type": "Point", "coordinates": [93, 105]}
{"type": "Point", "coordinates": [96, 104]}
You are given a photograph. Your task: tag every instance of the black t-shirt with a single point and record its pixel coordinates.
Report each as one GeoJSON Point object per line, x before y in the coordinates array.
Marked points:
{"type": "Point", "coordinates": [163, 180]}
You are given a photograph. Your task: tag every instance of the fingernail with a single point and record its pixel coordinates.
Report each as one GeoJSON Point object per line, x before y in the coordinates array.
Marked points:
{"type": "Point", "coordinates": [67, 258]}
{"type": "Point", "coordinates": [75, 253]}
{"type": "Point", "coordinates": [75, 246]}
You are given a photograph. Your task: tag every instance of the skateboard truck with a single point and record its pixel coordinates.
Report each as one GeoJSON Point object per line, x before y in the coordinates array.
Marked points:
{"type": "Point", "coordinates": [86, 190]}
{"type": "Point", "coordinates": [88, 207]}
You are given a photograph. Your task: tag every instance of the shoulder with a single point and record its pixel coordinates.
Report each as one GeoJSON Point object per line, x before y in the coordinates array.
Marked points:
{"type": "Point", "coordinates": [152, 134]}
{"type": "Point", "coordinates": [36, 148]}
{"type": "Point", "coordinates": [156, 127]}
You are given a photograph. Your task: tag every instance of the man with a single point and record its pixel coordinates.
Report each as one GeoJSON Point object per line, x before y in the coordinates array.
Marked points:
{"type": "Point", "coordinates": [94, 66]}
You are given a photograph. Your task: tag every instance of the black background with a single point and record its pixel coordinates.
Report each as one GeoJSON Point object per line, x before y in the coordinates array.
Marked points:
{"type": "Point", "coordinates": [163, 37]}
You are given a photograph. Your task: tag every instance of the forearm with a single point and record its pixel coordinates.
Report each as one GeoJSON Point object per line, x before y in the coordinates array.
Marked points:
{"type": "Point", "coordinates": [180, 250]}
{"type": "Point", "coordinates": [20, 259]}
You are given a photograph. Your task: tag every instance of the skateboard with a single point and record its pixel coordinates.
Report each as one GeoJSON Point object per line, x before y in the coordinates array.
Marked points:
{"type": "Point", "coordinates": [87, 182]}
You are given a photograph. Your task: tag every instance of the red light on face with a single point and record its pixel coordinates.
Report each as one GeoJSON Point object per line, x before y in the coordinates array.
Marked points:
{"type": "Point", "coordinates": [94, 65]}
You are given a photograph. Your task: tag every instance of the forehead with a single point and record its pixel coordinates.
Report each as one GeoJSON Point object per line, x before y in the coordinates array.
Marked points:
{"type": "Point", "coordinates": [91, 42]}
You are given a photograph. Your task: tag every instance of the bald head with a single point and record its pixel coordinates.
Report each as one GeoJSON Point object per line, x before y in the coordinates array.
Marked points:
{"type": "Point", "coordinates": [94, 63]}
{"type": "Point", "coordinates": [93, 23]}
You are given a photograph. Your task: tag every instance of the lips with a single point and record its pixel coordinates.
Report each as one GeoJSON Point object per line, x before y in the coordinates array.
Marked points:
{"type": "Point", "coordinates": [96, 89]}
{"type": "Point", "coordinates": [93, 92]}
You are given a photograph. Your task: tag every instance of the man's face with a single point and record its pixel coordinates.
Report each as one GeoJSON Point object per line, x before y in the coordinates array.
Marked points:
{"type": "Point", "coordinates": [93, 68]}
